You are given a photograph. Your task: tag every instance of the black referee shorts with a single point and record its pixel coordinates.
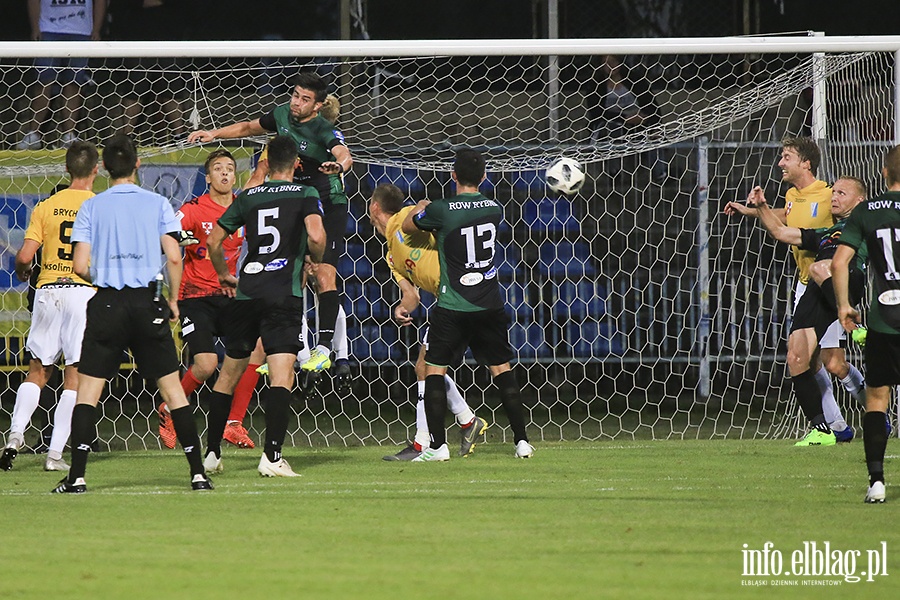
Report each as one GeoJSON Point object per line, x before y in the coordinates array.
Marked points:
{"type": "Point", "coordinates": [118, 320]}
{"type": "Point", "coordinates": [485, 332]}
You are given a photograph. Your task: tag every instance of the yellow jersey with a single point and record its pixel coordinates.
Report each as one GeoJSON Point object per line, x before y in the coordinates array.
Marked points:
{"type": "Point", "coordinates": [413, 256]}
{"type": "Point", "coordinates": [809, 208]}
{"type": "Point", "coordinates": [51, 227]}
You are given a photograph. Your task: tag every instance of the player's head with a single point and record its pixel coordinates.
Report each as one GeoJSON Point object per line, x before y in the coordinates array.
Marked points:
{"type": "Point", "coordinates": [799, 156]}
{"type": "Point", "coordinates": [468, 167]}
{"type": "Point", "coordinates": [282, 154]}
{"type": "Point", "coordinates": [846, 193]}
{"type": "Point", "coordinates": [387, 200]}
{"type": "Point", "coordinates": [331, 108]}
{"type": "Point", "coordinates": [81, 159]}
{"type": "Point", "coordinates": [120, 156]}
{"type": "Point", "coordinates": [891, 171]}
{"type": "Point", "coordinates": [309, 92]}
{"type": "Point", "coordinates": [221, 170]}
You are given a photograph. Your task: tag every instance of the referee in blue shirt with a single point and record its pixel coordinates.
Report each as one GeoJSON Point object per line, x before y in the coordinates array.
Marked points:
{"type": "Point", "coordinates": [117, 236]}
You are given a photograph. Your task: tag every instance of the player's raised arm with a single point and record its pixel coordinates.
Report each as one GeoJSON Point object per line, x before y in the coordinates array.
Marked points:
{"type": "Point", "coordinates": [773, 224]}
{"type": "Point", "coordinates": [235, 130]}
{"type": "Point", "coordinates": [409, 226]}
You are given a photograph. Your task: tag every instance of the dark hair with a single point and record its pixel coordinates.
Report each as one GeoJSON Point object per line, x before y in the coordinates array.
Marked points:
{"type": "Point", "coordinates": [282, 153]}
{"type": "Point", "coordinates": [217, 154]}
{"type": "Point", "coordinates": [119, 156]}
{"type": "Point", "coordinates": [389, 197]}
{"type": "Point", "coordinates": [81, 158]}
{"type": "Point", "coordinates": [892, 165]}
{"type": "Point", "coordinates": [806, 149]}
{"type": "Point", "coordinates": [311, 81]}
{"type": "Point", "coordinates": [469, 167]}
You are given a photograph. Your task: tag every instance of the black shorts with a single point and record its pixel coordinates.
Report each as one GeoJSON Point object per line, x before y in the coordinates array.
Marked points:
{"type": "Point", "coordinates": [485, 332]}
{"type": "Point", "coordinates": [335, 223]}
{"type": "Point", "coordinates": [814, 312]}
{"type": "Point", "coordinates": [203, 320]}
{"type": "Point", "coordinates": [129, 318]}
{"type": "Point", "coordinates": [278, 321]}
{"type": "Point", "coordinates": [882, 355]}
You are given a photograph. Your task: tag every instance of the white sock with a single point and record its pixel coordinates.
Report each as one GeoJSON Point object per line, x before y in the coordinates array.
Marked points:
{"type": "Point", "coordinates": [27, 398]}
{"type": "Point", "coordinates": [303, 355]}
{"type": "Point", "coordinates": [830, 408]}
{"type": "Point", "coordinates": [422, 438]}
{"type": "Point", "coordinates": [456, 403]}
{"type": "Point", "coordinates": [855, 383]}
{"type": "Point", "coordinates": [62, 421]}
{"type": "Point", "coordinates": [341, 347]}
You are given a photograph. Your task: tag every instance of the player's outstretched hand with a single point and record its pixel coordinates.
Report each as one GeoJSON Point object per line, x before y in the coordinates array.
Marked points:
{"type": "Point", "coordinates": [200, 136]}
{"type": "Point", "coordinates": [738, 208]}
{"type": "Point", "coordinates": [331, 167]}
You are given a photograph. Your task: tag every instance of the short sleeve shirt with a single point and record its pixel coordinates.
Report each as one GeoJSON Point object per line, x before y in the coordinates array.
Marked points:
{"type": "Point", "coordinates": [51, 227]}
{"type": "Point", "coordinates": [315, 139]}
{"type": "Point", "coordinates": [465, 227]}
{"type": "Point", "coordinates": [413, 257]}
{"type": "Point", "coordinates": [200, 278]}
{"type": "Point", "coordinates": [123, 226]}
{"type": "Point", "coordinates": [875, 224]}
{"type": "Point", "coordinates": [273, 215]}
{"type": "Point", "coordinates": [809, 208]}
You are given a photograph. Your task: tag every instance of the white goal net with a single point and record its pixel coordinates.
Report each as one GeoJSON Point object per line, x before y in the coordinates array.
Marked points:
{"type": "Point", "coordinates": [638, 309]}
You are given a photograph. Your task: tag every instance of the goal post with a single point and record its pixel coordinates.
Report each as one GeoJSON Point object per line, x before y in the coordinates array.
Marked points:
{"type": "Point", "coordinates": [638, 310]}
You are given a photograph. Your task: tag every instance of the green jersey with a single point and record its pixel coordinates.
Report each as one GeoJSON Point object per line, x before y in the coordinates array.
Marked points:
{"type": "Point", "coordinates": [825, 240]}
{"type": "Point", "coordinates": [315, 139]}
{"type": "Point", "coordinates": [273, 215]}
{"type": "Point", "coordinates": [876, 223]}
{"type": "Point", "coordinates": [465, 229]}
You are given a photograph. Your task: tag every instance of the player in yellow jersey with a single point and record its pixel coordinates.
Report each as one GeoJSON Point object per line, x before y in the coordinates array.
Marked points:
{"type": "Point", "coordinates": [808, 206]}
{"type": "Point", "coordinates": [414, 264]}
{"type": "Point", "coordinates": [60, 307]}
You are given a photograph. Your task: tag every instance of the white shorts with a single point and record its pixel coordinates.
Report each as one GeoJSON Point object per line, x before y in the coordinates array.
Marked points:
{"type": "Point", "coordinates": [835, 332]}
{"type": "Point", "coordinates": [57, 323]}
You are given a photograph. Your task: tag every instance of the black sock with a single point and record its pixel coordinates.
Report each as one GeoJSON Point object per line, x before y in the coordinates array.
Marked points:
{"type": "Point", "coordinates": [875, 442]}
{"type": "Point", "coordinates": [329, 305]}
{"type": "Point", "coordinates": [828, 293]}
{"type": "Point", "coordinates": [219, 407]}
{"type": "Point", "coordinates": [277, 401]}
{"type": "Point", "coordinates": [436, 409]}
{"type": "Point", "coordinates": [186, 431]}
{"type": "Point", "coordinates": [511, 396]}
{"type": "Point", "coordinates": [809, 397]}
{"type": "Point", "coordinates": [84, 430]}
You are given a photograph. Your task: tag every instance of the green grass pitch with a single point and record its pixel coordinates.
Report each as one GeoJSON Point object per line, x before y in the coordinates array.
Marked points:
{"type": "Point", "coordinates": [579, 520]}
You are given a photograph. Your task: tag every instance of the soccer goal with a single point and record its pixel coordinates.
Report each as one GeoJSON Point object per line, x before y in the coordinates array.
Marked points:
{"type": "Point", "coordinates": [638, 310]}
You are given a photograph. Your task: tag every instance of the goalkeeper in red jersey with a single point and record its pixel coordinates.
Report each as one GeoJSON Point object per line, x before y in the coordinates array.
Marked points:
{"type": "Point", "coordinates": [205, 306]}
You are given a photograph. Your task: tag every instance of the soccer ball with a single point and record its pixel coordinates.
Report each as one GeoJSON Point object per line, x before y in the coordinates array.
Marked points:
{"type": "Point", "coordinates": [565, 176]}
